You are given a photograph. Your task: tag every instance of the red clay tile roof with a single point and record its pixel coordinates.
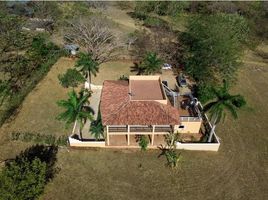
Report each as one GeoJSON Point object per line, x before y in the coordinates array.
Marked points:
{"type": "Point", "coordinates": [117, 109]}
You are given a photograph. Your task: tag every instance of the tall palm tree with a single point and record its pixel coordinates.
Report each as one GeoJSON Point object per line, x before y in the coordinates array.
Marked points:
{"type": "Point", "coordinates": [87, 66]}
{"type": "Point", "coordinates": [77, 109]}
{"type": "Point", "coordinates": [151, 63]}
{"type": "Point", "coordinates": [224, 102]}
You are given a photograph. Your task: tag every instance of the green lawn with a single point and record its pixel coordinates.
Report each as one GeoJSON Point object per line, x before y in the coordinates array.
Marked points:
{"type": "Point", "coordinates": [113, 70]}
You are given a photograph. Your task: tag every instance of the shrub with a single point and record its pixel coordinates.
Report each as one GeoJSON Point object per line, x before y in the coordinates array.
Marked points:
{"type": "Point", "coordinates": [172, 158]}
{"type": "Point", "coordinates": [143, 142]}
{"type": "Point", "coordinates": [138, 15]}
{"type": "Point", "coordinates": [23, 179]}
{"type": "Point", "coordinates": [123, 78]}
{"type": "Point", "coordinates": [155, 22]}
{"type": "Point", "coordinates": [72, 78]}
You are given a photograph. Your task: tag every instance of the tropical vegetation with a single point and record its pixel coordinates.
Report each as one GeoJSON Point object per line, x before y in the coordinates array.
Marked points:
{"type": "Point", "coordinates": [214, 49]}
{"type": "Point", "coordinates": [87, 66]}
{"type": "Point", "coordinates": [143, 142]}
{"type": "Point", "coordinates": [72, 78]}
{"type": "Point", "coordinates": [25, 176]}
{"type": "Point", "coordinates": [223, 104]}
{"type": "Point", "coordinates": [169, 151]}
{"type": "Point", "coordinates": [151, 64]}
{"type": "Point", "coordinates": [77, 109]}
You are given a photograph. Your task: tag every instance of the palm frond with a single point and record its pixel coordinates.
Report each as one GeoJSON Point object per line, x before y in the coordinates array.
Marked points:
{"type": "Point", "coordinates": [208, 106]}
{"type": "Point", "coordinates": [231, 109]}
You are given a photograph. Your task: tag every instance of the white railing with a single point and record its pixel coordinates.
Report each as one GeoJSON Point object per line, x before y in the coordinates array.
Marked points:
{"type": "Point", "coordinates": [190, 119]}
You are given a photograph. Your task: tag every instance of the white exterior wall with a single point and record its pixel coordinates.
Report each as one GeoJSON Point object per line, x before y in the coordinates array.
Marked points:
{"type": "Point", "coordinates": [77, 143]}
{"type": "Point", "coordinates": [189, 127]}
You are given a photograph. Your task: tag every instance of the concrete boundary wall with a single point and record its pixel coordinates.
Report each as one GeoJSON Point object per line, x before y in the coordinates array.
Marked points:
{"type": "Point", "coordinates": [77, 143]}
{"type": "Point", "coordinates": [200, 146]}
{"type": "Point", "coordinates": [92, 86]}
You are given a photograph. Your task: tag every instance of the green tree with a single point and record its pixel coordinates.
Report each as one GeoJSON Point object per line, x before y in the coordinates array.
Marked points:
{"type": "Point", "coordinates": [223, 103]}
{"type": "Point", "coordinates": [215, 46]}
{"type": "Point", "coordinates": [76, 109]}
{"type": "Point", "coordinates": [11, 36]}
{"type": "Point", "coordinates": [23, 179]}
{"type": "Point", "coordinates": [151, 64]}
{"type": "Point", "coordinates": [87, 66]}
{"type": "Point", "coordinates": [72, 78]}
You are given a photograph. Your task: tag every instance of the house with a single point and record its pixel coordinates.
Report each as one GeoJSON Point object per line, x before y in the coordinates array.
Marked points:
{"type": "Point", "coordinates": [140, 106]}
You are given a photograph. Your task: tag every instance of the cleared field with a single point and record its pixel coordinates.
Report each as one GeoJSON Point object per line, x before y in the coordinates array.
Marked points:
{"type": "Point", "coordinates": [112, 71]}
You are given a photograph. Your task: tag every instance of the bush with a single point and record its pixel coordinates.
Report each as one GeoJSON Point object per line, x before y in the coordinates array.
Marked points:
{"type": "Point", "coordinates": [155, 22]}
{"type": "Point", "coordinates": [72, 78]}
{"type": "Point", "coordinates": [138, 15]}
{"type": "Point", "coordinates": [143, 142]}
{"type": "Point", "coordinates": [172, 158]}
{"type": "Point", "coordinates": [40, 139]}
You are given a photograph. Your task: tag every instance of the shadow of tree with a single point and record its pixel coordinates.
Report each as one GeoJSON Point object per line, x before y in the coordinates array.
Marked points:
{"type": "Point", "coordinates": [46, 154]}
{"type": "Point", "coordinates": [136, 68]}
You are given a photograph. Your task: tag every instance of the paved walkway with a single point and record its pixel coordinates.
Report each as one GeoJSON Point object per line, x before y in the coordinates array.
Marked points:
{"type": "Point", "coordinates": [94, 103]}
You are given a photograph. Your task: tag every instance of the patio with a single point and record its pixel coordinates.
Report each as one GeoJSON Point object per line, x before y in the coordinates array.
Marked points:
{"type": "Point", "coordinates": [94, 104]}
{"type": "Point", "coordinates": [121, 141]}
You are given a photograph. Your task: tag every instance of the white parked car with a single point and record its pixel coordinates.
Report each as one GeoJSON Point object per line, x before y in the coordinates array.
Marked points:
{"type": "Point", "coordinates": [166, 66]}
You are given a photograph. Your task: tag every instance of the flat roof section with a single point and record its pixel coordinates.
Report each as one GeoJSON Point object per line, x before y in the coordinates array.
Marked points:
{"type": "Point", "coordinates": [146, 90]}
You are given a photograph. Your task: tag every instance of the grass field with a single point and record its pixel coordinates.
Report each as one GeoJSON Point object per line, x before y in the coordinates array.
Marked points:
{"type": "Point", "coordinates": [239, 171]}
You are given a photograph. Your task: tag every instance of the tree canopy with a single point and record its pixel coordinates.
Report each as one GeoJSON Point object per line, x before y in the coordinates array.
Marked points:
{"type": "Point", "coordinates": [72, 78]}
{"type": "Point", "coordinates": [224, 102]}
{"type": "Point", "coordinates": [214, 47]}
{"type": "Point", "coordinates": [151, 64]}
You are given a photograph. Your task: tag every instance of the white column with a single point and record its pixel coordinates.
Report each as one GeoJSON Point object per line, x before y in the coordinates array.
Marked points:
{"type": "Point", "coordinates": [128, 131]}
{"type": "Point", "coordinates": [153, 135]}
{"type": "Point", "coordinates": [107, 135]}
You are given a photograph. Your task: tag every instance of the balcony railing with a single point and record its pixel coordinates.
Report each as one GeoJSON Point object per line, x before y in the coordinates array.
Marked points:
{"type": "Point", "coordinates": [119, 129]}
{"type": "Point", "coordinates": [139, 129]}
{"type": "Point", "coordinates": [162, 129]}
{"type": "Point", "coordinates": [190, 119]}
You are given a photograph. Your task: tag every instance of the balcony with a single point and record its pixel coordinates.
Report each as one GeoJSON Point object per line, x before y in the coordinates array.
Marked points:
{"type": "Point", "coordinates": [136, 129]}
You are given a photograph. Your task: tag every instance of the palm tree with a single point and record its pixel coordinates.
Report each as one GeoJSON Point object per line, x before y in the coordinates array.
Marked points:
{"type": "Point", "coordinates": [96, 129]}
{"type": "Point", "coordinates": [224, 102]}
{"type": "Point", "coordinates": [76, 109]}
{"type": "Point", "coordinates": [87, 66]}
{"type": "Point", "coordinates": [151, 63]}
